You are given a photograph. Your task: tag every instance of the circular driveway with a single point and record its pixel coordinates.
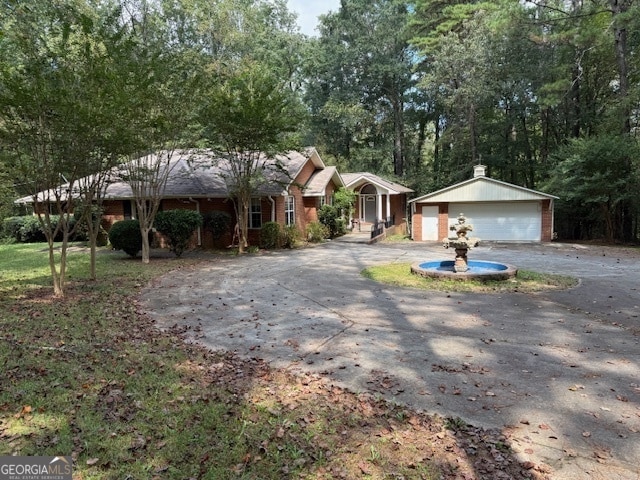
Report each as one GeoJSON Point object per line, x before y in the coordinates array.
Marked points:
{"type": "Point", "coordinates": [558, 372]}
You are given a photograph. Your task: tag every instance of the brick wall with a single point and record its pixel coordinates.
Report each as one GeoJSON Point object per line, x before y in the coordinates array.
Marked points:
{"type": "Point", "coordinates": [443, 221]}
{"type": "Point", "coordinates": [547, 221]}
{"type": "Point", "coordinates": [113, 212]}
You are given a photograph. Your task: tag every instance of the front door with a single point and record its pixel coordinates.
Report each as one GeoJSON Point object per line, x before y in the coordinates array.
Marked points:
{"type": "Point", "coordinates": [369, 208]}
{"type": "Point", "coordinates": [369, 203]}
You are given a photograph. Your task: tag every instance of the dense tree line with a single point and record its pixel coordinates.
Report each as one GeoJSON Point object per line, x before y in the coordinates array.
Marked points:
{"type": "Point", "coordinates": [546, 93]}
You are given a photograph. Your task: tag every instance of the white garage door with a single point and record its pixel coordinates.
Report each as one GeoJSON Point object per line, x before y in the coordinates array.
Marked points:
{"type": "Point", "coordinates": [501, 220]}
{"type": "Point", "coordinates": [430, 223]}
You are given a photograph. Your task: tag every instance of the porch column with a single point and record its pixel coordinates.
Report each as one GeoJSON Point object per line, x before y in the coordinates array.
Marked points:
{"type": "Point", "coordinates": [388, 205]}
{"type": "Point", "coordinates": [379, 207]}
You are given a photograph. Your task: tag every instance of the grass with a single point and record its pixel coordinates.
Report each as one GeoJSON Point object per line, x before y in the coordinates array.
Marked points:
{"type": "Point", "coordinates": [399, 274]}
{"type": "Point", "coordinates": [90, 376]}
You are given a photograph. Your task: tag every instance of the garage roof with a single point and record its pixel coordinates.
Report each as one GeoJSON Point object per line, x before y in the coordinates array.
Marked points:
{"type": "Point", "coordinates": [482, 189]}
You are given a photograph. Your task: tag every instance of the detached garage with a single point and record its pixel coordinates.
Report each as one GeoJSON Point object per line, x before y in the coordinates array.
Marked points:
{"type": "Point", "coordinates": [497, 210]}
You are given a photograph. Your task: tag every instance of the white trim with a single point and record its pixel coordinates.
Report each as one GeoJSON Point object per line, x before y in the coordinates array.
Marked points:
{"type": "Point", "coordinates": [255, 201]}
{"type": "Point", "coordinates": [289, 211]}
{"type": "Point", "coordinates": [430, 197]}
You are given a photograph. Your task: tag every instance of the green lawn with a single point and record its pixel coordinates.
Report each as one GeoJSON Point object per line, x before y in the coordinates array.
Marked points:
{"type": "Point", "coordinates": [526, 281]}
{"type": "Point", "coordinates": [90, 376]}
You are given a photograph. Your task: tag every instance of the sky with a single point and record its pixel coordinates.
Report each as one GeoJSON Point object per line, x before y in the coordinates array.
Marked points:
{"type": "Point", "coordinates": [308, 11]}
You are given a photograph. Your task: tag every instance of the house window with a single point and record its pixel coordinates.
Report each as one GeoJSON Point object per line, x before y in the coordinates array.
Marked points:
{"type": "Point", "coordinates": [323, 201]}
{"type": "Point", "coordinates": [255, 213]}
{"type": "Point", "coordinates": [289, 210]}
{"type": "Point", "coordinates": [127, 209]}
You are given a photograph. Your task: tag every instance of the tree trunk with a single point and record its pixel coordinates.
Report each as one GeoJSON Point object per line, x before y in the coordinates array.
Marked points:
{"type": "Point", "coordinates": [58, 290]}
{"type": "Point", "coordinates": [436, 149]}
{"type": "Point", "coordinates": [472, 132]}
{"type": "Point", "coordinates": [620, 7]}
{"type": "Point", "coordinates": [145, 244]}
{"type": "Point", "coordinates": [93, 227]}
{"type": "Point", "coordinates": [242, 212]}
{"type": "Point", "coordinates": [398, 137]}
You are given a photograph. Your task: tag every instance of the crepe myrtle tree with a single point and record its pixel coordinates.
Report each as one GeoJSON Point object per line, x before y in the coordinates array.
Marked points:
{"type": "Point", "coordinates": [55, 112]}
{"type": "Point", "coordinates": [250, 116]}
{"type": "Point", "coordinates": [161, 89]}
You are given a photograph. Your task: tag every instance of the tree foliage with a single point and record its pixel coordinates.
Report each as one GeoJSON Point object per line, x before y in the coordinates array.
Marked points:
{"type": "Point", "coordinates": [360, 84]}
{"type": "Point", "coordinates": [57, 106]}
{"type": "Point", "coordinates": [595, 177]}
{"type": "Point", "coordinates": [249, 117]}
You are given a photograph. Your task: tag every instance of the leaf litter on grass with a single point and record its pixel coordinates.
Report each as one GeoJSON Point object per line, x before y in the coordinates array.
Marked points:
{"type": "Point", "coordinates": [91, 375]}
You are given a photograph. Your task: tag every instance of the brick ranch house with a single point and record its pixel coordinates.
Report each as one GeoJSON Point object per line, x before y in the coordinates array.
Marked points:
{"type": "Point", "coordinates": [497, 210]}
{"type": "Point", "coordinates": [293, 192]}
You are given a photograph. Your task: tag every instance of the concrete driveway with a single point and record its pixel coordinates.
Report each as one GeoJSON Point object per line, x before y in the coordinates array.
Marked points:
{"type": "Point", "coordinates": [559, 372]}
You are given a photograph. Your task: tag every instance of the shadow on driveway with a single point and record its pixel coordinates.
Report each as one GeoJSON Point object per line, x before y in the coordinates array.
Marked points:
{"type": "Point", "coordinates": [556, 372]}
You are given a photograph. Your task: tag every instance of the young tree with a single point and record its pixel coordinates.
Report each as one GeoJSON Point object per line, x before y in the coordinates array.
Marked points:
{"type": "Point", "coordinates": [147, 175]}
{"type": "Point", "coordinates": [160, 92]}
{"type": "Point", "coordinates": [249, 117]}
{"type": "Point", "coordinates": [54, 118]}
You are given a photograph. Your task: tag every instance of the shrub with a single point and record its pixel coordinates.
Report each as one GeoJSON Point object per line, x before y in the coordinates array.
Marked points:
{"type": "Point", "coordinates": [218, 223]}
{"type": "Point", "coordinates": [270, 236]}
{"type": "Point", "coordinates": [344, 200]}
{"type": "Point", "coordinates": [27, 229]}
{"type": "Point", "coordinates": [125, 235]}
{"type": "Point", "coordinates": [11, 228]}
{"type": "Point", "coordinates": [178, 226]}
{"type": "Point", "coordinates": [31, 230]}
{"type": "Point", "coordinates": [330, 217]}
{"type": "Point", "coordinates": [289, 236]}
{"type": "Point", "coordinates": [317, 232]}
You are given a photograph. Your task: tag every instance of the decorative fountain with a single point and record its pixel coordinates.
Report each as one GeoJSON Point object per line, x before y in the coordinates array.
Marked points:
{"type": "Point", "coordinates": [461, 268]}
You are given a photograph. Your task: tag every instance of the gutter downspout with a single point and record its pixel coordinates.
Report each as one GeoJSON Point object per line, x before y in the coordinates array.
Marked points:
{"type": "Point", "coordinates": [273, 208]}
{"type": "Point", "coordinates": [191, 199]}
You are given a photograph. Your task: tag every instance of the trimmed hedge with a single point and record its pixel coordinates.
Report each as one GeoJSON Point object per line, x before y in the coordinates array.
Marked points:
{"type": "Point", "coordinates": [178, 226]}
{"type": "Point", "coordinates": [125, 235]}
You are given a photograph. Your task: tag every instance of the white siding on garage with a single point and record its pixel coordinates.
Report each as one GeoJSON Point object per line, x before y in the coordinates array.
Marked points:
{"type": "Point", "coordinates": [515, 221]}
{"type": "Point", "coordinates": [429, 223]}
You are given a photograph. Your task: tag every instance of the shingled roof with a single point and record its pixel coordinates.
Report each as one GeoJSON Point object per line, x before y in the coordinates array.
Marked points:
{"type": "Point", "coordinates": [201, 173]}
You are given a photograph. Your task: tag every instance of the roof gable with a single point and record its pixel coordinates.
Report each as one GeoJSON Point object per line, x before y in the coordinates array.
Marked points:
{"type": "Point", "coordinates": [483, 189]}
{"type": "Point", "coordinates": [317, 184]}
{"type": "Point", "coordinates": [355, 180]}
